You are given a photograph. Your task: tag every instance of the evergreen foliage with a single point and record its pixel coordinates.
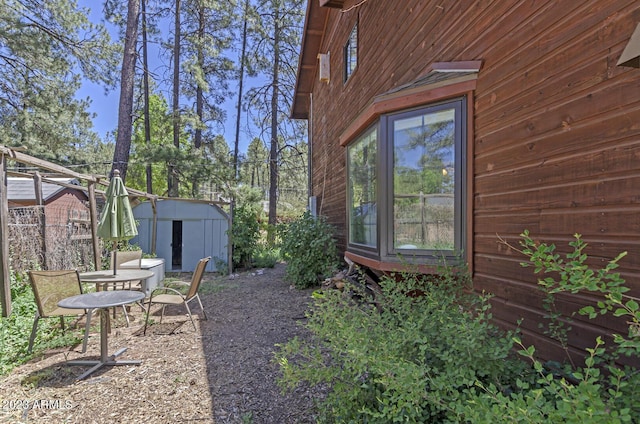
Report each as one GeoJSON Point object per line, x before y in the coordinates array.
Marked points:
{"type": "Point", "coordinates": [274, 53]}
{"type": "Point", "coordinates": [309, 247]}
{"type": "Point", "coordinates": [45, 47]}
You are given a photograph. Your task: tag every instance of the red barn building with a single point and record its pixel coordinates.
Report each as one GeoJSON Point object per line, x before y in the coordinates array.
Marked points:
{"type": "Point", "coordinates": [62, 218]}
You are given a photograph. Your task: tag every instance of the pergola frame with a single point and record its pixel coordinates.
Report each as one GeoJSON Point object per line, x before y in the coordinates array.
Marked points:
{"type": "Point", "coordinates": [93, 182]}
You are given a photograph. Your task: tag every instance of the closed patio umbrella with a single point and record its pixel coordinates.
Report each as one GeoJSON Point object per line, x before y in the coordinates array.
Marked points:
{"type": "Point", "coordinates": [116, 221]}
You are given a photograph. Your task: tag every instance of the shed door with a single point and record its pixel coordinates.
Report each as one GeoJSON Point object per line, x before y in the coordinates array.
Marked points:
{"type": "Point", "coordinates": [190, 239]}
{"type": "Point", "coordinates": [176, 245]}
{"type": "Point", "coordinates": [164, 241]}
{"type": "Point", "coordinates": [193, 234]}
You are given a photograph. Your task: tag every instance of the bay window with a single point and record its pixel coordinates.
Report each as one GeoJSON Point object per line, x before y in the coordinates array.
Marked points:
{"type": "Point", "coordinates": [406, 189]}
{"type": "Point", "coordinates": [362, 164]}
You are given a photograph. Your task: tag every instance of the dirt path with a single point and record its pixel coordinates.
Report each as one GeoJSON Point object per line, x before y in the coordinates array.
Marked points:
{"type": "Point", "coordinates": [221, 373]}
{"type": "Point", "coordinates": [260, 312]}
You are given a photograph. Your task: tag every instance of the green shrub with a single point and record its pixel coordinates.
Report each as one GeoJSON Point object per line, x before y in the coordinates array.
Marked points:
{"type": "Point", "coordinates": [310, 250]}
{"type": "Point", "coordinates": [601, 391]}
{"type": "Point", "coordinates": [245, 232]}
{"type": "Point", "coordinates": [266, 257]}
{"type": "Point", "coordinates": [221, 265]}
{"type": "Point", "coordinates": [408, 355]}
{"type": "Point", "coordinates": [434, 357]}
{"type": "Point", "coordinates": [267, 252]}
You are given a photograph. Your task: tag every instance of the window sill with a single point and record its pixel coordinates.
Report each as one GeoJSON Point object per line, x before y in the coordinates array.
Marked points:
{"type": "Point", "coordinates": [387, 266]}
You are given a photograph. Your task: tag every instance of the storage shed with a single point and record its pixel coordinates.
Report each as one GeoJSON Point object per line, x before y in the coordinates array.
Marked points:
{"type": "Point", "coordinates": [186, 231]}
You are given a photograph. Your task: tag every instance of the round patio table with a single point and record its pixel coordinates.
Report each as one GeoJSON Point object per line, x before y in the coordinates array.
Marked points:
{"type": "Point", "coordinates": [102, 300]}
{"type": "Point", "coordinates": [106, 277]}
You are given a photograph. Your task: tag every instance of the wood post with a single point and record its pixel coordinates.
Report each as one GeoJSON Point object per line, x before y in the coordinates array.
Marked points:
{"type": "Point", "coordinates": [93, 213]}
{"type": "Point", "coordinates": [154, 227]}
{"type": "Point", "coordinates": [42, 220]}
{"type": "Point", "coordinates": [5, 290]}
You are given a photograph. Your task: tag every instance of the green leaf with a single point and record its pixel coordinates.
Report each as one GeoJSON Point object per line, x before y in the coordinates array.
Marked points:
{"type": "Point", "coordinates": [620, 312]}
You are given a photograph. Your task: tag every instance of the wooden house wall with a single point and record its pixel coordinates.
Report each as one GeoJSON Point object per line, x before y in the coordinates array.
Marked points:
{"type": "Point", "coordinates": [556, 130]}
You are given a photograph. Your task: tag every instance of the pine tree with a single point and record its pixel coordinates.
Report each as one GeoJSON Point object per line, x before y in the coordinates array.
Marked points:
{"type": "Point", "coordinates": [127, 82]}
{"type": "Point", "coordinates": [45, 48]}
{"type": "Point", "coordinates": [276, 54]}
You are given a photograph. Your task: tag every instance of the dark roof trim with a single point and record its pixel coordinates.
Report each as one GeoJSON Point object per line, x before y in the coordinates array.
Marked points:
{"type": "Point", "coordinates": [436, 85]}
{"type": "Point", "coordinates": [338, 4]}
{"type": "Point", "coordinates": [312, 35]}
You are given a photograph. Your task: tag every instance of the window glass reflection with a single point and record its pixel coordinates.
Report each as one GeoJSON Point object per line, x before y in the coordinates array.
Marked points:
{"type": "Point", "coordinates": [363, 217]}
{"type": "Point", "coordinates": [424, 181]}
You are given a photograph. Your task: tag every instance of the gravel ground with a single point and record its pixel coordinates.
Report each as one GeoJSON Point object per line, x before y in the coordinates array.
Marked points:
{"type": "Point", "coordinates": [221, 373]}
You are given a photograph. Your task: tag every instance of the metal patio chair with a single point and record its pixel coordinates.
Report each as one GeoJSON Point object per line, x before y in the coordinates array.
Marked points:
{"type": "Point", "coordinates": [49, 287]}
{"type": "Point", "coordinates": [120, 257]}
{"type": "Point", "coordinates": [170, 296]}
{"type": "Point", "coordinates": [117, 258]}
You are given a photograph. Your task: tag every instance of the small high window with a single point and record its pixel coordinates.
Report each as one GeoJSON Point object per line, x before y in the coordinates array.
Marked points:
{"type": "Point", "coordinates": [351, 53]}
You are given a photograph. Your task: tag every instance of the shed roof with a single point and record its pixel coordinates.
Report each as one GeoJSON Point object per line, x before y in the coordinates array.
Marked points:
{"type": "Point", "coordinates": [21, 189]}
{"type": "Point", "coordinates": [176, 208]}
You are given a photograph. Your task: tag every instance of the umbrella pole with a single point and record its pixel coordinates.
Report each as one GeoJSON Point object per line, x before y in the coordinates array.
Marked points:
{"type": "Point", "coordinates": [115, 257]}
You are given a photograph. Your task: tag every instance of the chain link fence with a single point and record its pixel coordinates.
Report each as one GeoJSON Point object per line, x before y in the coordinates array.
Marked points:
{"type": "Point", "coordinates": [59, 239]}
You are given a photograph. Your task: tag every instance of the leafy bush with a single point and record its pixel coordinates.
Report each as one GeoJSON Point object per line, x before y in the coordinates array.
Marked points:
{"type": "Point", "coordinates": [408, 355]}
{"type": "Point", "coordinates": [266, 257]}
{"type": "Point", "coordinates": [245, 232]}
{"type": "Point", "coordinates": [601, 391]}
{"type": "Point", "coordinates": [222, 266]}
{"type": "Point", "coordinates": [425, 351]}
{"type": "Point", "coordinates": [310, 250]}
{"type": "Point", "coordinates": [267, 252]}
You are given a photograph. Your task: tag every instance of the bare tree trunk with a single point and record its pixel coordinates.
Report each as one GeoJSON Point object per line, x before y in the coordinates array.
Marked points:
{"type": "Point", "coordinates": [173, 178]}
{"type": "Point", "coordinates": [125, 106]}
{"type": "Point", "coordinates": [197, 140]}
{"type": "Point", "coordinates": [147, 118]}
{"type": "Point", "coordinates": [199, 94]}
{"type": "Point", "coordinates": [241, 78]}
{"type": "Point", "coordinates": [273, 153]}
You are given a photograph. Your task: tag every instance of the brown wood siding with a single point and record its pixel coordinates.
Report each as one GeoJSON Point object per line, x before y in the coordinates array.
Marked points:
{"type": "Point", "coordinates": [556, 131]}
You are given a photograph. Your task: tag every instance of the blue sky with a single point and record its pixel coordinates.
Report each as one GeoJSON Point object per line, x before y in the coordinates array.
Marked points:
{"type": "Point", "coordinates": [105, 105]}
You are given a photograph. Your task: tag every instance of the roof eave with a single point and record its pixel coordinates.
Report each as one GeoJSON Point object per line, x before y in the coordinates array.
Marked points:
{"type": "Point", "coordinates": [337, 4]}
{"type": "Point", "coordinates": [312, 35]}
